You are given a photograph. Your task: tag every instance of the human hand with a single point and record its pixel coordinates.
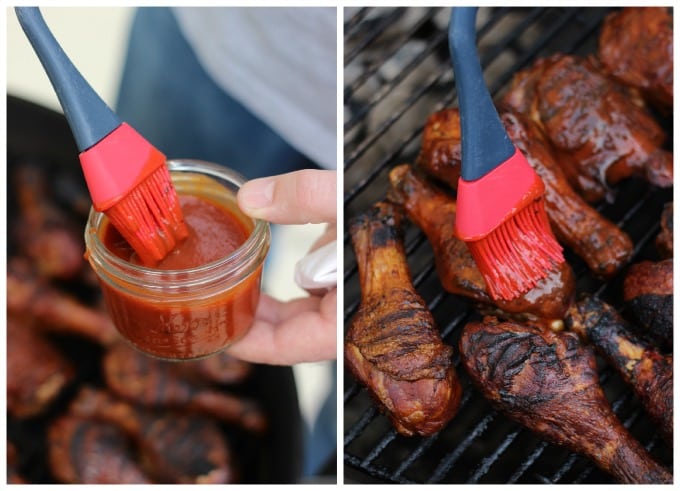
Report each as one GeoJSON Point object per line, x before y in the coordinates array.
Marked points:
{"type": "Point", "coordinates": [303, 329]}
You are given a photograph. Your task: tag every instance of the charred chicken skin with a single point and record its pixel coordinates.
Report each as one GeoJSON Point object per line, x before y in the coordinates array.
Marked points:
{"type": "Point", "coordinates": [603, 246]}
{"type": "Point", "coordinates": [84, 451]}
{"type": "Point", "coordinates": [392, 345]}
{"type": "Point", "coordinates": [174, 448]}
{"type": "Point", "coordinates": [636, 48]}
{"type": "Point", "coordinates": [648, 291]}
{"type": "Point", "coordinates": [434, 212]}
{"type": "Point", "coordinates": [647, 371]}
{"type": "Point", "coordinates": [599, 134]}
{"type": "Point", "coordinates": [156, 383]}
{"type": "Point", "coordinates": [548, 382]}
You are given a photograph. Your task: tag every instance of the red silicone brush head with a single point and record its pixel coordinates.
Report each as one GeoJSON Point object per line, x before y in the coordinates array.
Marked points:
{"type": "Point", "coordinates": [129, 182]}
{"type": "Point", "coordinates": [502, 218]}
{"type": "Point", "coordinates": [150, 217]}
{"type": "Point", "coordinates": [518, 253]}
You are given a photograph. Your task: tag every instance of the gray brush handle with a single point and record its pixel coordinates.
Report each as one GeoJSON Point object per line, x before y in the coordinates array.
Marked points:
{"type": "Point", "coordinates": [87, 114]}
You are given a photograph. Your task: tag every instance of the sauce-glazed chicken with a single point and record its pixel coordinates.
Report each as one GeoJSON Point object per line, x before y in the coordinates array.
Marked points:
{"type": "Point", "coordinates": [174, 448]}
{"type": "Point", "coordinates": [599, 133]}
{"type": "Point", "coordinates": [434, 212]}
{"type": "Point", "coordinates": [392, 345]}
{"type": "Point", "coordinates": [636, 48]}
{"type": "Point", "coordinates": [36, 371]}
{"type": "Point", "coordinates": [52, 309]}
{"type": "Point", "coordinates": [85, 451]}
{"type": "Point", "coordinates": [648, 291]}
{"type": "Point", "coordinates": [58, 332]}
{"type": "Point", "coordinates": [647, 371]}
{"type": "Point", "coordinates": [548, 382]}
{"type": "Point", "coordinates": [43, 232]}
{"type": "Point", "coordinates": [156, 383]}
{"type": "Point", "coordinates": [603, 246]}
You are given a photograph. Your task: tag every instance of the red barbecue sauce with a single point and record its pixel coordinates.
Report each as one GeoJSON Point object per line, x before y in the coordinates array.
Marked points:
{"type": "Point", "coordinates": [176, 328]}
{"type": "Point", "coordinates": [214, 233]}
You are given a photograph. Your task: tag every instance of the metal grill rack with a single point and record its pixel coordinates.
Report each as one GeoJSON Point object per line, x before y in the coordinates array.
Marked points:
{"type": "Point", "coordinates": [397, 72]}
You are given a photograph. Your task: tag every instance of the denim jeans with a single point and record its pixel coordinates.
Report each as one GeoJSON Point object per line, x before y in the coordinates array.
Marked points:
{"type": "Point", "coordinates": [169, 98]}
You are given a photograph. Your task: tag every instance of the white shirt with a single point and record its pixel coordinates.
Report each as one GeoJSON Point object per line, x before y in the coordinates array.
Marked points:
{"type": "Point", "coordinates": [279, 62]}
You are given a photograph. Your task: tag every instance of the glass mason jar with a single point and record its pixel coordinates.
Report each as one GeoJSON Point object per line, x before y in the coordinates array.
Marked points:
{"type": "Point", "coordinates": [185, 314]}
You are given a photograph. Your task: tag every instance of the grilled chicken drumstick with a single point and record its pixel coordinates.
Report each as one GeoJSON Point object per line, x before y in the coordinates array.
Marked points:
{"type": "Point", "coordinates": [647, 371]}
{"type": "Point", "coordinates": [636, 48]}
{"type": "Point", "coordinates": [155, 383]}
{"type": "Point", "coordinates": [603, 246]}
{"type": "Point", "coordinates": [13, 475]}
{"type": "Point", "coordinates": [434, 212]}
{"type": "Point", "coordinates": [53, 310]}
{"type": "Point", "coordinates": [220, 368]}
{"type": "Point", "coordinates": [648, 291]}
{"type": "Point", "coordinates": [548, 382]}
{"type": "Point", "coordinates": [600, 135]}
{"type": "Point", "coordinates": [176, 448]}
{"type": "Point", "coordinates": [392, 345]}
{"type": "Point", "coordinates": [84, 451]}
{"type": "Point", "coordinates": [36, 371]}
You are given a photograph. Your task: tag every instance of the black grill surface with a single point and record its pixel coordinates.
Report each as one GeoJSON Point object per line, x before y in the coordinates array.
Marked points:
{"type": "Point", "coordinates": [397, 72]}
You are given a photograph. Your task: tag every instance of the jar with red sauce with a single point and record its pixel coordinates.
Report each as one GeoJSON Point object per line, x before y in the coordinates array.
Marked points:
{"type": "Point", "coordinates": [203, 296]}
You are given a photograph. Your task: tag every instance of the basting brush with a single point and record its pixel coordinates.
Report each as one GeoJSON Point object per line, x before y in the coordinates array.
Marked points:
{"type": "Point", "coordinates": [501, 214]}
{"type": "Point", "coordinates": [127, 177]}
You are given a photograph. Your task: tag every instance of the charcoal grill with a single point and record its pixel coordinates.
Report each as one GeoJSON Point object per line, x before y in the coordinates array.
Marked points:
{"type": "Point", "coordinates": [396, 73]}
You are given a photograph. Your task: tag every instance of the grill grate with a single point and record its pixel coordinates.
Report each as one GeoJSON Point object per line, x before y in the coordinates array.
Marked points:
{"type": "Point", "coordinates": [397, 72]}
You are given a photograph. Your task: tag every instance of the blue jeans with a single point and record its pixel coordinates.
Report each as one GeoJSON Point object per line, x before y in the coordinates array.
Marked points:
{"type": "Point", "coordinates": [321, 439]}
{"type": "Point", "coordinates": [170, 99]}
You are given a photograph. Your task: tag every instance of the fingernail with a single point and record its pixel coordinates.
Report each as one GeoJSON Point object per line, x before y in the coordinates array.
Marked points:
{"type": "Point", "coordinates": [256, 194]}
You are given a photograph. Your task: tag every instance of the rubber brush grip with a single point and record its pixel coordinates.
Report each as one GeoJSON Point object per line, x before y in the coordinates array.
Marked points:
{"type": "Point", "coordinates": [88, 115]}
{"type": "Point", "coordinates": [485, 144]}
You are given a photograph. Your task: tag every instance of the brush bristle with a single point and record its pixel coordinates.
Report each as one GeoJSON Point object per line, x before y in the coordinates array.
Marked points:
{"type": "Point", "coordinates": [518, 253]}
{"type": "Point", "coordinates": [150, 217]}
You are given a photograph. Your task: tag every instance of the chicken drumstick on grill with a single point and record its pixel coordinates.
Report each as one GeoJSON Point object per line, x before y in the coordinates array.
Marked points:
{"type": "Point", "coordinates": [636, 48]}
{"type": "Point", "coordinates": [220, 368]}
{"type": "Point", "coordinates": [84, 451]}
{"type": "Point", "coordinates": [548, 382]}
{"type": "Point", "coordinates": [392, 345]}
{"type": "Point", "coordinates": [600, 135]}
{"type": "Point", "coordinates": [434, 212]}
{"type": "Point", "coordinates": [53, 309]}
{"type": "Point", "coordinates": [176, 448]}
{"type": "Point", "coordinates": [648, 291]}
{"type": "Point", "coordinates": [647, 371]}
{"type": "Point", "coordinates": [155, 383]}
{"type": "Point", "coordinates": [603, 246]}
{"type": "Point", "coordinates": [36, 371]}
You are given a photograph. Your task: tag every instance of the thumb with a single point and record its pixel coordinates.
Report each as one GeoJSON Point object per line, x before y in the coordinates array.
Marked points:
{"type": "Point", "coordinates": [306, 196]}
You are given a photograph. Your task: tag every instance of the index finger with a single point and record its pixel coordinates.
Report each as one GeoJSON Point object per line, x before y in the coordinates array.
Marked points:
{"type": "Point", "coordinates": [306, 196]}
